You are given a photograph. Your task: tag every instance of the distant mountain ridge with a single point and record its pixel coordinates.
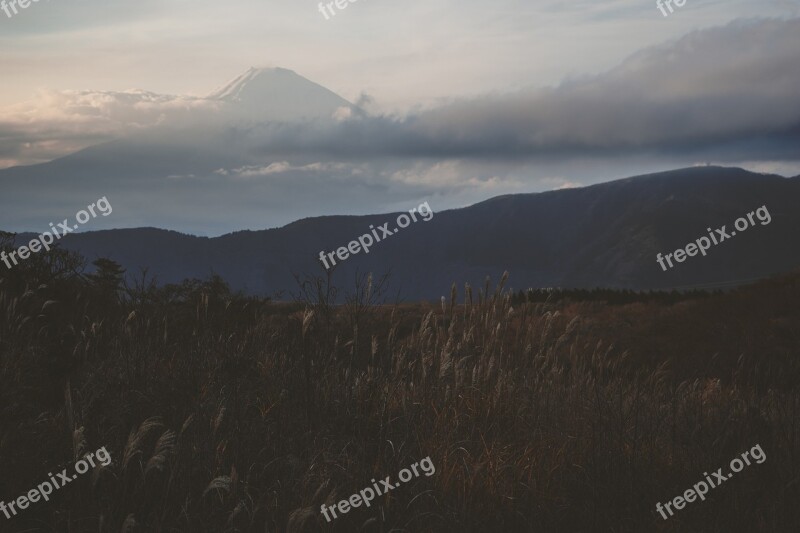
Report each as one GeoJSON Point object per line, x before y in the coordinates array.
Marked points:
{"type": "Point", "coordinates": [602, 235]}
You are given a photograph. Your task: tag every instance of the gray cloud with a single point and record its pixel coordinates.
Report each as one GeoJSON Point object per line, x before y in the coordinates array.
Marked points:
{"type": "Point", "coordinates": [711, 93]}
{"type": "Point", "coordinates": [716, 91]}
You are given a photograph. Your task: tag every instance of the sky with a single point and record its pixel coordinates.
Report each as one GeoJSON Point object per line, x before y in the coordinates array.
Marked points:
{"type": "Point", "coordinates": [465, 99]}
{"type": "Point", "coordinates": [401, 53]}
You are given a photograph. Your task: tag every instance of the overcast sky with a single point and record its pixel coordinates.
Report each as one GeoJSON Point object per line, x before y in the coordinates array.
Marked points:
{"type": "Point", "coordinates": [467, 99]}
{"type": "Point", "coordinates": [402, 53]}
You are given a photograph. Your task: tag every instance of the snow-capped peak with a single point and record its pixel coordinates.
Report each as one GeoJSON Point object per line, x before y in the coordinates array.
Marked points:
{"type": "Point", "coordinates": [280, 94]}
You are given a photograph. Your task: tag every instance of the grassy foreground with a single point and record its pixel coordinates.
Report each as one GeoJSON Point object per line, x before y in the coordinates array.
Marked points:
{"type": "Point", "coordinates": [224, 413]}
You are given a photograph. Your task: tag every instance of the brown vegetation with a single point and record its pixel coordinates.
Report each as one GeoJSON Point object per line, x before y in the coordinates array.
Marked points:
{"type": "Point", "coordinates": [224, 413]}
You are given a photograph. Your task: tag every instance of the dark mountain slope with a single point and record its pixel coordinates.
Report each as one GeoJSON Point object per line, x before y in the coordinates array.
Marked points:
{"type": "Point", "coordinates": [602, 235]}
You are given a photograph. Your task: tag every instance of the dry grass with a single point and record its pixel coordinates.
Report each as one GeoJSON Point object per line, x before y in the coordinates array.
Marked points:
{"type": "Point", "coordinates": [229, 416]}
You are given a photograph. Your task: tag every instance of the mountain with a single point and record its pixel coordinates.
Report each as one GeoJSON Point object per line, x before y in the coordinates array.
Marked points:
{"type": "Point", "coordinates": [177, 173]}
{"type": "Point", "coordinates": [602, 235]}
{"type": "Point", "coordinates": [279, 94]}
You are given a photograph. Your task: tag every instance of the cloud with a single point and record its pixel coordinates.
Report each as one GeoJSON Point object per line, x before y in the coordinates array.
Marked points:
{"type": "Point", "coordinates": [453, 176]}
{"type": "Point", "coordinates": [712, 88]}
{"type": "Point", "coordinates": [723, 93]}
{"type": "Point", "coordinates": [57, 123]}
{"type": "Point", "coordinates": [283, 167]}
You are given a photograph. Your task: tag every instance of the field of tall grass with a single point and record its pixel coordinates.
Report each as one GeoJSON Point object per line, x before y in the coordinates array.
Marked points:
{"type": "Point", "coordinates": [224, 413]}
